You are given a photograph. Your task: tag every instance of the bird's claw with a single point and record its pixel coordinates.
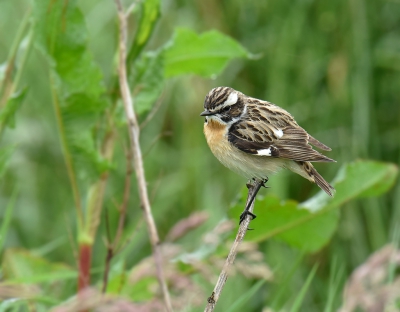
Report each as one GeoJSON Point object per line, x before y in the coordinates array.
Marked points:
{"type": "Point", "coordinates": [245, 214]}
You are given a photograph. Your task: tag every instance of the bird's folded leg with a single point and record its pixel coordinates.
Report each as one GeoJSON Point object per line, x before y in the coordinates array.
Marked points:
{"type": "Point", "coordinates": [253, 190]}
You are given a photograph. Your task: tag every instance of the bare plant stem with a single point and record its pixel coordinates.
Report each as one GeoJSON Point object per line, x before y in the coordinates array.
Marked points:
{"type": "Point", "coordinates": [67, 155]}
{"type": "Point", "coordinates": [109, 256]}
{"type": "Point", "coordinates": [85, 259]}
{"type": "Point", "coordinates": [243, 227]}
{"type": "Point", "coordinates": [112, 246]}
{"type": "Point", "coordinates": [95, 204]}
{"type": "Point", "coordinates": [97, 190]}
{"type": "Point", "coordinates": [134, 131]}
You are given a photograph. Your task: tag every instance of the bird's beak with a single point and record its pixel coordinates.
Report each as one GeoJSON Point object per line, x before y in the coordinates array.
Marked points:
{"type": "Point", "coordinates": [207, 113]}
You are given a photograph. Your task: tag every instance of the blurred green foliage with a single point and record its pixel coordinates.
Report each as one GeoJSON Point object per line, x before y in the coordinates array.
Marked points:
{"type": "Point", "coordinates": [309, 225]}
{"type": "Point", "coordinates": [333, 64]}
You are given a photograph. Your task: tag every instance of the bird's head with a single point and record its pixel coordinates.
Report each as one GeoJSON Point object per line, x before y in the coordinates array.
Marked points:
{"type": "Point", "coordinates": [224, 104]}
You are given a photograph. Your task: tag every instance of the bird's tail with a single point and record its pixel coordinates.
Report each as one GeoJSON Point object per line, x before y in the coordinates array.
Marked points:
{"type": "Point", "coordinates": [315, 177]}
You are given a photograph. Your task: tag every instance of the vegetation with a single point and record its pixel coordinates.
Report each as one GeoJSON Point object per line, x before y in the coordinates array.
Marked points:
{"type": "Point", "coordinates": [70, 213]}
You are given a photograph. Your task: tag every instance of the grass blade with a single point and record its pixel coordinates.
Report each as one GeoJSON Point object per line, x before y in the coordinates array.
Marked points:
{"type": "Point", "coordinates": [336, 274]}
{"type": "Point", "coordinates": [246, 296]}
{"type": "Point", "coordinates": [300, 297]}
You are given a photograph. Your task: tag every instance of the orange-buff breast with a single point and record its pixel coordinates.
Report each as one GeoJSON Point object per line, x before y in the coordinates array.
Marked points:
{"type": "Point", "coordinates": [214, 132]}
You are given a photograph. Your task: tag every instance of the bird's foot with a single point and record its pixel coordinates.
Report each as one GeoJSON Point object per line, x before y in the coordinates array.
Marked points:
{"type": "Point", "coordinates": [263, 183]}
{"type": "Point", "coordinates": [253, 181]}
{"type": "Point", "coordinates": [244, 214]}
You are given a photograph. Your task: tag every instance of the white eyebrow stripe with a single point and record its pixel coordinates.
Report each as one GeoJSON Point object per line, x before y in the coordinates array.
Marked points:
{"type": "Point", "coordinates": [278, 133]}
{"type": "Point", "coordinates": [232, 99]}
{"type": "Point", "coordinates": [264, 152]}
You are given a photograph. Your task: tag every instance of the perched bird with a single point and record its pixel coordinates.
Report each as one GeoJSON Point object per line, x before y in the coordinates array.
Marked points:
{"type": "Point", "coordinates": [256, 138]}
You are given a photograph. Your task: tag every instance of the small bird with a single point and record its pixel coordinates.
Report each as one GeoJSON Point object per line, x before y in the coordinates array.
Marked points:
{"type": "Point", "coordinates": [256, 138]}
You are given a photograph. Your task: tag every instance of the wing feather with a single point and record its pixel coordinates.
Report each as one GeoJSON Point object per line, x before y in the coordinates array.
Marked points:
{"type": "Point", "coordinates": [263, 132]}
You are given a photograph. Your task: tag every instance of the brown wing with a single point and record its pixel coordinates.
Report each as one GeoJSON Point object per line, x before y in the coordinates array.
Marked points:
{"type": "Point", "coordinates": [271, 131]}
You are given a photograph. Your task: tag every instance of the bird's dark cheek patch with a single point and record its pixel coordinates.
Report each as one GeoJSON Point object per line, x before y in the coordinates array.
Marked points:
{"type": "Point", "coordinates": [236, 110]}
{"type": "Point", "coordinates": [226, 118]}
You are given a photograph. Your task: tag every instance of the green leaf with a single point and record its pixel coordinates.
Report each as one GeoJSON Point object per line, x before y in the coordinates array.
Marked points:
{"type": "Point", "coordinates": [7, 115]}
{"type": "Point", "coordinates": [205, 55]}
{"type": "Point", "coordinates": [118, 278]}
{"type": "Point", "coordinates": [14, 304]}
{"type": "Point", "coordinates": [150, 13]}
{"type": "Point", "coordinates": [142, 290]}
{"type": "Point", "coordinates": [62, 35]}
{"type": "Point", "coordinates": [76, 80]}
{"type": "Point", "coordinates": [360, 179]}
{"type": "Point", "coordinates": [148, 80]}
{"type": "Point", "coordinates": [21, 266]}
{"type": "Point", "coordinates": [288, 222]}
{"type": "Point", "coordinates": [310, 225]}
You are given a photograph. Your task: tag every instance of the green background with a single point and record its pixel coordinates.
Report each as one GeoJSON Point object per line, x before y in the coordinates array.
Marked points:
{"type": "Point", "coordinates": [334, 65]}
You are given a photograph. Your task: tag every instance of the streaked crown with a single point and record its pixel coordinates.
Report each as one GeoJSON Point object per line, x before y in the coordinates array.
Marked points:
{"type": "Point", "coordinates": [219, 97]}
{"type": "Point", "coordinates": [225, 103]}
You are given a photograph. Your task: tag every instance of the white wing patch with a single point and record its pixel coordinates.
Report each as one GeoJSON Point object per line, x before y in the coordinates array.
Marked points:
{"type": "Point", "coordinates": [232, 99]}
{"type": "Point", "coordinates": [264, 152]}
{"type": "Point", "coordinates": [278, 133]}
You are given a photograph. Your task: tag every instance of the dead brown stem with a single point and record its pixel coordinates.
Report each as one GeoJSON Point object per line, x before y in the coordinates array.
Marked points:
{"type": "Point", "coordinates": [134, 131]}
{"type": "Point", "coordinates": [243, 227]}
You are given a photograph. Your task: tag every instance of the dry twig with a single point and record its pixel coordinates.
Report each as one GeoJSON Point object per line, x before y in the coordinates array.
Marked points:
{"type": "Point", "coordinates": [213, 299]}
{"type": "Point", "coordinates": [134, 131]}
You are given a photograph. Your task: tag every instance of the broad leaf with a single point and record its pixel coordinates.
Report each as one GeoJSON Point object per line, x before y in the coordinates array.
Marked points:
{"type": "Point", "coordinates": [205, 55]}
{"type": "Point", "coordinates": [287, 222]}
{"type": "Point", "coordinates": [359, 179]}
{"type": "Point", "coordinates": [310, 225]}
{"type": "Point", "coordinates": [148, 80]}
{"type": "Point", "coordinates": [77, 81]}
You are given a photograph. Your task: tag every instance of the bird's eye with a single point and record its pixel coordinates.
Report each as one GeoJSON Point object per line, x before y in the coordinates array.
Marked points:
{"type": "Point", "coordinates": [226, 109]}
